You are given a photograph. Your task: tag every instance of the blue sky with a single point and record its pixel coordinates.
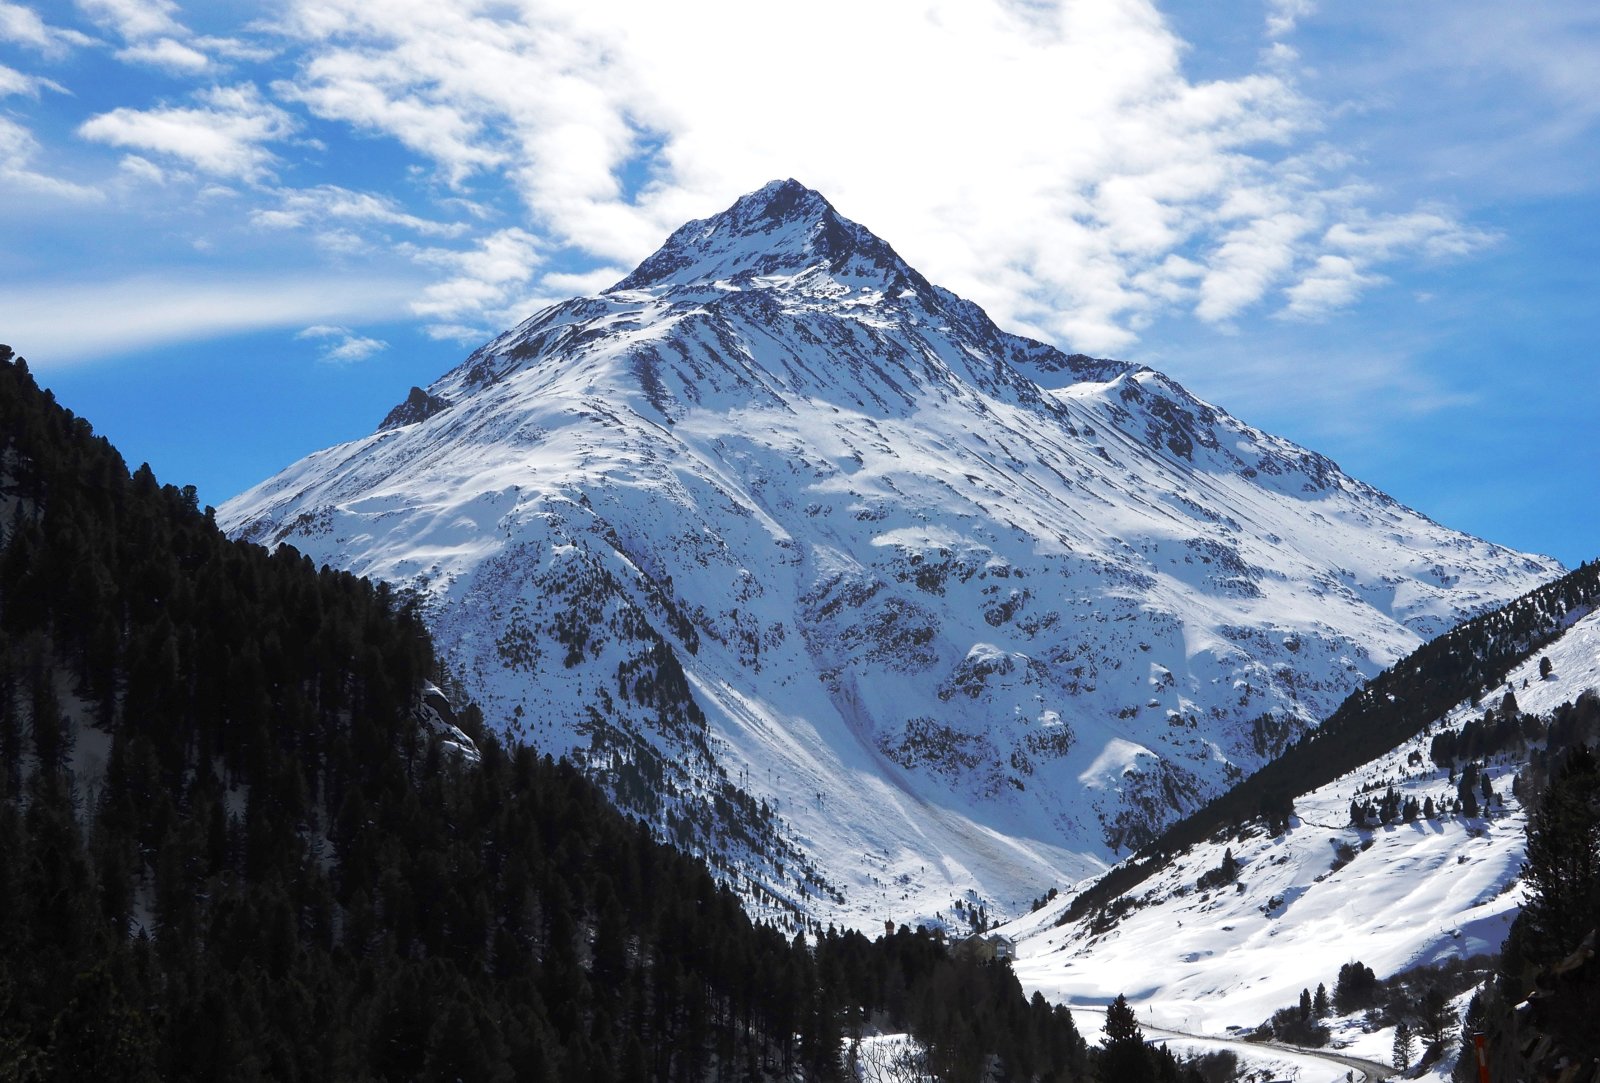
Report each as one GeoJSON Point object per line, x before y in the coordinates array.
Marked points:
{"type": "Point", "coordinates": [239, 232]}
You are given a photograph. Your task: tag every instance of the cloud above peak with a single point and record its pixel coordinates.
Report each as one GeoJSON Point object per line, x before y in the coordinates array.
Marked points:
{"type": "Point", "coordinates": [1058, 162]}
{"type": "Point", "coordinates": [1055, 164]}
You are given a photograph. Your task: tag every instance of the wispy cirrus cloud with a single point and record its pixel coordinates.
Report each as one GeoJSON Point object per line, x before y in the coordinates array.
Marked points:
{"type": "Point", "coordinates": [136, 20]}
{"type": "Point", "coordinates": [13, 82]}
{"type": "Point", "coordinates": [1357, 247]}
{"type": "Point", "coordinates": [168, 53]}
{"type": "Point", "coordinates": [225, 135]}
{"type": "Point", "coordinates": [18, 149]}
{"type": "Point", "coordinates": [1283, 15]}
{"type": "Point", "coordinates": [137, 313]}
{"type": "Point", "coordinates": [484, 287]}
{"type": "Point", "coordinates": [1332, 283]}
{"type": "Point", "coordinates": [340, 345]}
{"type": "Point", "coordinates": [298, 208]}
{"type": "Point", "coordinates": [23, 26]}
{"type": "Point", "coordinates": [155, 36]}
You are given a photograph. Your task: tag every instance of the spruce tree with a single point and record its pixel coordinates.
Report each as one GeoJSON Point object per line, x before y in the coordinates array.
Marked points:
{"type": "Point", "coordinates": [1124, 1056]}
{"type": "Point", "coordinates": [1562, 871]}
{"type": "Point", "coordinates": [1402, 1044]}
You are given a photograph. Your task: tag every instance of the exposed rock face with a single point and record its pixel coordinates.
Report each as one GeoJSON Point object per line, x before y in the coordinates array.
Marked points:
{"type": "Point", "coordinates": [438, 717]}
{"type": "Point", "coordinates": [419, 406]}
{"type": "Point", "coordinates": [801, 555]}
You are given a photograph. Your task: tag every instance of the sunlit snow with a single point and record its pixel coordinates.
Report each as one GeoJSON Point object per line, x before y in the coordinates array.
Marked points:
{"type": "Point", "coordinates": [919, 573]}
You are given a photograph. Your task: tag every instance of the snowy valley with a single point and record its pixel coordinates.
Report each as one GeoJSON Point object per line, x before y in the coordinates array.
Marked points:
{"type": "Point", "coordinates": [1435, 888]}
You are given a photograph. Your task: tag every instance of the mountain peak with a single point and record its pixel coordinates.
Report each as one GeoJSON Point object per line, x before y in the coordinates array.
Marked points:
{"type": "Point", "coordinates": [779, 201]}
{"type": "Point", "coordinates": [776, 502]}
{"type": "Point", "coordinates": [782, 229]}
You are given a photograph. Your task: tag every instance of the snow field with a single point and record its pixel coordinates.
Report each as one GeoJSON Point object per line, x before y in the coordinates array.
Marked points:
{"type": "Point", "coordinates": [1221, 962]}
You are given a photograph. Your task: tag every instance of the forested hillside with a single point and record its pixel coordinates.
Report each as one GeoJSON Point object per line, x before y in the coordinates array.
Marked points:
{"type": "Point", "coordinates": [228, 849]}
{"type": "Point", "coordinates": [1467, 663]}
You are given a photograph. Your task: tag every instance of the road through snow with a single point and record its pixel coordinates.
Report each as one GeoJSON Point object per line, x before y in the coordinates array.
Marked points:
{"type": "Point", "coordinates": [1281, 1061]}
{"type": "Point", "coordinates": [1341, 1065]}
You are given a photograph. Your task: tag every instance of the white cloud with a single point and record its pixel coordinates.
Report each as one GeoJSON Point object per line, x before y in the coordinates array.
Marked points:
{"type": "Point", "coordinates": [135, 19]}
{"type": "Point", "coordinates": [345, 347]}
{"type": "Point", "coordinates": [236, 48]}
{"type": "Point", "coordinates": [223, 137]}
{"type": "Point", "coordinates": [157, 38]}
{"type": "Point", "coordinates": [1283, 15]}
{"type": "Point", "coordinates": [1357, 246]}
{"type": "Point", "coordinates": [1249, 261]}
{"type": "Point", "coordinates": [167, 54]}
{"type": "Point", "coordinates": [13, 82]}
{"type": "Point", "coordinates": [1332, 283]}
{"type": "Point", "coordinates": [1053, 161]}
{"type": "Point", "coordinates": [142, 169]}
{"type": "Point", "coordinates": [1434, 233]}
{"type": "Point", "coordinates": [582, 285]}
{"type": "Point", "coordinates": [1052, 164]}
{"type": "Point", "coordinates": [459, 333]}
{"type": "Point", "coordinates": [485, 286]}
{"type": "Point", "coordinates": [23, 26]}
{"type": "Point", "coordinates": [301, 207]}
{"type": "Point", "coordinates": [18, 148]}
{"type": "Point", "coordinates": [138, 313]}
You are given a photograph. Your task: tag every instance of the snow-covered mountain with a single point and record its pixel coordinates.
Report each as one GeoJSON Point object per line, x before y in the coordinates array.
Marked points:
{"type": "Point", "coordinates": [1220, 958]}
{"type": "Point", "coordinates": [875, 604]}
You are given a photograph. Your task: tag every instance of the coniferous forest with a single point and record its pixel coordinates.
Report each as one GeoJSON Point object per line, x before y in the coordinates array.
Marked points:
{"type": "Point", "coordinates": [228, 849]}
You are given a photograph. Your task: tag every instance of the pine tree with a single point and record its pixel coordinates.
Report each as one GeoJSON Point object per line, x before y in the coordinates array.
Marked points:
{"type": "Point", "coordinates": [1402, 1044]}
{"type": "Point", "coordinates": [1563, 863]}
{"type": "Point", "coordinates": [1124, 1056]}
{"type": "Point", "coordinates": [1435, 1023]}
{"type": "Point", "coordinates": [1472, 1022]}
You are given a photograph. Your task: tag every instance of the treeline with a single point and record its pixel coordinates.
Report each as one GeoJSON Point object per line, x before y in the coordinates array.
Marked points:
{"type": "Point", "coordinates": [229, 850]}
{"type": "Point", "coordinates": [1466, 663]}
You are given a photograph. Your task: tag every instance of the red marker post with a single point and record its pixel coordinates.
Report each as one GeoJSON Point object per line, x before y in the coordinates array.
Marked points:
{"type": "Point", "coordinates": [1479, 1046]}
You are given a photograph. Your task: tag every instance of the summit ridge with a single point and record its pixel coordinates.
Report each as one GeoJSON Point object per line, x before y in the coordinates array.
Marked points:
{"type": "Point", "coordinates": [783, 228]}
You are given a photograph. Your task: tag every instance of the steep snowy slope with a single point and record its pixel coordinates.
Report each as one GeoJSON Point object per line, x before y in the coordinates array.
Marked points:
{"type": "Point", "coordinates": [1323, 894]}
{"type": "Point", "coordinates": [818, 569]}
